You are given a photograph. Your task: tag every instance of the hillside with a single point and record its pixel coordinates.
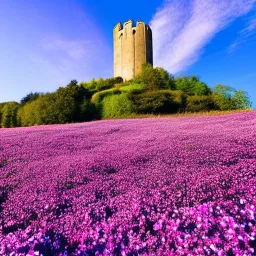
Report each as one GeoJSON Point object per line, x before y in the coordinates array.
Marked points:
{"type": "Point", "coordinates": [152, 92]}
{"type": "Point", "coordinates": [158, 186]}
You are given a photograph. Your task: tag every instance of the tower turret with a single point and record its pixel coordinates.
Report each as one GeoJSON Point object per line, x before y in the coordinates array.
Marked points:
{"type": "Point", "coordinates": [132, 48]}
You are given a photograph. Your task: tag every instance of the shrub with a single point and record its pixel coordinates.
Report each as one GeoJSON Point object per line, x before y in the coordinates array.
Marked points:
{"type": "Point", "coordinates": [30, 97]}
{"type": "Point", "coordinates": [116, 106]}
{"type": "Point", "coordinates": [88, 111]}
{"type": "Point", "coordinates": [150, 77]}
{"type": "Point", "coordinates": [191, 85]}
{"type": "Point", "coordinates": [39, 111]}
{"type": "Point", "coordinates": [227, 98]}
{"type": "Point", "coordinates": [131, 87]}
{"type": "Point", "coordinates": [242, 100]}
{"type": "Point", "coordinates": [199, 103]}
{"type": "Point", "coordinates": [163, 101]}
{"type": "Point", "coordinates": [99, 96]}
{"type": "Point", "coordinates": [9, 114]}
{"type": "Point", "coordinates": [102, 84]}
{"type": "Point", "coordinates": [1, 111]}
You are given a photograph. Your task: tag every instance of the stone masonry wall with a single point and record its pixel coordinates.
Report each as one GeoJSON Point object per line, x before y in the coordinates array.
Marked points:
{"type": "Point", "coordinates": [132, 48]}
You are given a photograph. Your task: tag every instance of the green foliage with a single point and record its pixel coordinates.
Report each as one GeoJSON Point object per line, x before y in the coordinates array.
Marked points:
{"type": "Point", "coordinates": [9, 114]}
{"type": "Point", "coordinates": [87, 111]}
{"type": "Point", "coordinates": [91, 85]}
{"type": "Point", "coordinates": [154, 91]}
{"type": "Point", "coordinates": [101, 84]}
{"type": "Point", "coordinates": [166, 80]}
{"type": "Point", "coordinates": [131, 87]}
{"type": "Point", "coordinates": [191, 85]}
{"type": "Point", "coordinates": [69, 101]}
{"type": "Point", "coordinates": [227, 98]}
{"type": "Point", "coordinates": [39, 111]}
{"type": "Point", "coordinates": [116, 106]}
{"type": "Point", "coordinates": [199, 103]}
{"type": "Point", "coordinates": [66, 105]}
{"type": "Point", "coordinates": [110, 83]}
{"type": "Point", "coordinates": [1, 107]}
{"type": "Point", "coordinates": [163, 77]}
{"type": "Point", "coordinates": [172, 83]}
{"type": "Point", "coordinates": [150, 77]}
{"type": "Point", "coordinates": [242, 100]}
{"type": "Point", "coordinates": [222, 96]}
{"type": "Point", "coordinates": [30, 97]}
{"type": "Point", "coordinates": [98, 96]}
{"type": "Point", "coordinates": [154, 102]}
{"type": "Point", "coordinates": [155, 78]}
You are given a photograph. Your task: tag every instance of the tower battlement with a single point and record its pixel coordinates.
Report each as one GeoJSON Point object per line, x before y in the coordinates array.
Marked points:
{"type": "Point", "coordinates": [132, 48]}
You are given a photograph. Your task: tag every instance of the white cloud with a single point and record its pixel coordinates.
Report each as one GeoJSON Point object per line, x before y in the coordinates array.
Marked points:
{"type": "Point", "coordinates": [244, 34]}
{"type": "Point", "coordinates": [75, 49]}
{"type": "Point", "coordinates": [182, 28]}
{"type": "Point", "coordinates": [82, 59]}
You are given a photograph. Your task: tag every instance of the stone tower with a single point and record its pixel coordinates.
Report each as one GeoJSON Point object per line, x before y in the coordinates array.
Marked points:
{"type": "Point", "coordinates": [132, 48]}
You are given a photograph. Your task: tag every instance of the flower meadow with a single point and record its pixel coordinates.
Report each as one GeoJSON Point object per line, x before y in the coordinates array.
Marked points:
{"type": "Point", "coordinates": [157, 186]}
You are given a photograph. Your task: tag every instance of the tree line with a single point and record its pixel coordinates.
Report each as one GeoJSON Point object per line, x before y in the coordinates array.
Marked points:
{"type": "Point", "coordinates": [154, 91]}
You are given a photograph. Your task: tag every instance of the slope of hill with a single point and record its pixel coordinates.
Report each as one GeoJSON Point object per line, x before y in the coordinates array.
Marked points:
{"type": "Point", "coordinates": [159, 186]}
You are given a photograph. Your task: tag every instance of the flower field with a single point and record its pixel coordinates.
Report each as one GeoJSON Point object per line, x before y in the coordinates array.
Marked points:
{"type": "Point", "coordinates": [157, 186]}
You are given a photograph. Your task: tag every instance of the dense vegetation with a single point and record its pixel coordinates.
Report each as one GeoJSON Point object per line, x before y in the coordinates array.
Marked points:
{"type": "Point", "coordinates": [154, 91]}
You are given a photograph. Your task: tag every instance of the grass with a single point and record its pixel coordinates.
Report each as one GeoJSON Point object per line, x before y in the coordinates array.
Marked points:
{"type": "Point", "coordinates": [131, 87]}
{"type": "Point", "coordinates": [99, 96]}
{"type": "Point", "coordinates": [187, 114]}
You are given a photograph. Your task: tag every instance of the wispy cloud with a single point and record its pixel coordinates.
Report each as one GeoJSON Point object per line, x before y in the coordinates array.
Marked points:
{"type": "Point", "coordinates": [80, 58]}
{"type": "Point", "coordinates": [75, 49]}
{"type": "Point", "coordinates": [182, 28]}
{"type": "Point", "coordinates": [244, 34]}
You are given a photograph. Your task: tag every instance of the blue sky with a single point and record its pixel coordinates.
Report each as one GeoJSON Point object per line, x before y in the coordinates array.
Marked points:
{"type": "Point", "coordinates": [45, 44]}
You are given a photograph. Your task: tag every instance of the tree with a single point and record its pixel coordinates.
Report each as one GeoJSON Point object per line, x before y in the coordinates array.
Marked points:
{"type": "Point", "coordinates": [157, 101]}
{"type": "Point", "coordinates": [242, 100]}
{"type": "Point", "coordinates": [100, 84]}
{"type": "Point", "coordinates": [192, 85]}
{"type": "Point", "coordinates": [92, 84]}
{"type": "Point", "coordinates": [38, 112]}
{"type": "Point", "coordinates": [222, 97]}
{"type": "Point", "coordinates": [1, 112]}
{"type": "Point", "coordinates": [9, 115]}
{"type": "Point", "coordinates": [199, 103]}
{"type": "Point", "coordinates": [163, 77]}
{"type": "Point", "coordinates": [171, 83]}
{"type": "Point", "coordinates": [227, 98]}
{"type": "Point", "coordinates": [150, 77]}
{"type": "Point", "coordinates": [70, 101]}
{"type": "Point", "coordinates": [30, 97]}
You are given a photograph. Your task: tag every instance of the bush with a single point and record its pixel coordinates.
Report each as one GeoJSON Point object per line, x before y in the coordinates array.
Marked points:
{"type": "Point", "coordinates": [241, 100]}
{"type": "Point", "coordinates": [227, 98]}
{"type": "Point", "coordinates": [108, 83]}
{"type": "Point", "coordinates": [163, 101]}
{"type": "Point", "coordinates": [199, 103]}
{"type": "Point", "coordinates": [131, 87]}
{"type": "Point", "coordinates": [9, 114]}
{"type": "Point", "coordinates": [116, 106]}
{"type": "Point", "coordinates": [149, 77]}
{"type": "Point", "coordinates": [66, 105]}
{"type": "Point", "coordinates": [40, 111]}
{"type": "Point", "coordinates": [89, 111]}
{"type": "Point", "coordinates": [30, 97]}
{"type": "Point", "coordinates": [191, 85]}
{"type": "Point", "coordinates": [1, 111]}
{"type": "Point", "coordinates": [102, 84]}
{"type": "Point", "coordinates": [99, 96]}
